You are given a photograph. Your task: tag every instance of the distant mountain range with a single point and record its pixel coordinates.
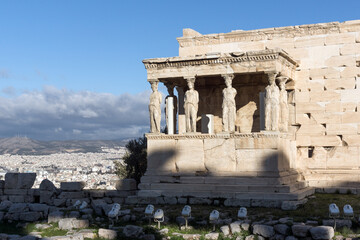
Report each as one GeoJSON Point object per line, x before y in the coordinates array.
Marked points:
{"type": "Point", "coordinates": [28, 146]}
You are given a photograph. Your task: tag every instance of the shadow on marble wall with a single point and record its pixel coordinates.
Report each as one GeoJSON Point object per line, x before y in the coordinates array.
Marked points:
{"type": "Point", "coordinates": [185, 158]}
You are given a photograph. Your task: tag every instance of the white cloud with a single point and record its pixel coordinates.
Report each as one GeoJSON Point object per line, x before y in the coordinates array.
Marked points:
{"type": "Point", "coordinates": [64, 114]}
{"type": "Point", "coordinates": [76, 131]}
{"type": "Point", "coordinates": [59, 129]}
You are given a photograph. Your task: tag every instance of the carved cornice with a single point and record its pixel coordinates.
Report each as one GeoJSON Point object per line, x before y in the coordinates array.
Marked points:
{"type": "Point", "coordinates": [259, 56]}
{"type": "Point", "coordinates": [153, 136]}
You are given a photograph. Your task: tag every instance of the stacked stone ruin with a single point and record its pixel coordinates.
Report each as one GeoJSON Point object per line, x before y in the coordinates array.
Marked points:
{"type": "Point", "coordinates": [21, 202]}
{"type": "Point", "coordinates": [48, 204]}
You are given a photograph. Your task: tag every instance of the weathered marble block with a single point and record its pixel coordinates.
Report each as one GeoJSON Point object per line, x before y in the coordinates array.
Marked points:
{"type": "Point", "coordinates": [229, 154]}
{"type": "Point", "coordinates": [72, 186]}
{"type": "Point", "coordinates": [19, 180]}
{"type": "Point", "coordinates": [190, 156]}
{"type": "Point", "coordinates": [126, 184]}
{"type": "Point", "coordinates": [161, 156]}
{"type": "Point", "coordinates": [220, 155]}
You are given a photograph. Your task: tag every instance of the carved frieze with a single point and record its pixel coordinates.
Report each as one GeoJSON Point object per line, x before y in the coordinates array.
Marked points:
{"type": "Point", "coordinates": [210, 136]}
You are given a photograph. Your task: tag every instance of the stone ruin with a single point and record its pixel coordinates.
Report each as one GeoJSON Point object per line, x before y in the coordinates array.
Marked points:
{"type": "Point", "coordinates": [47, 204]}
{"type": "Point", "coordinates": [21, 202]}
{"type": "Point", "coordinates": [259, 117]}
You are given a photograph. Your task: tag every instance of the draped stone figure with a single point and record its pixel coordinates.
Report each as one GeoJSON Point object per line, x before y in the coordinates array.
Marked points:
{"type": "Point", "coordinates": [272, 110]}
{"type": "Point", "coordinates": [154, 108]}
{"type": "Point", "coordinates": [229, 105]}
{"type": "Point", "coordinates": [191, 102]}
{"type": "Point", "coordinates": [170, 88]}
{"type": "Point", "coordinates": [284, 107]}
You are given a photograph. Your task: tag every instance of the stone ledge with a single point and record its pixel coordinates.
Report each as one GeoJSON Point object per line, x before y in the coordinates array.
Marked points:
{"type": "Point", "coordinates": [220, 136]}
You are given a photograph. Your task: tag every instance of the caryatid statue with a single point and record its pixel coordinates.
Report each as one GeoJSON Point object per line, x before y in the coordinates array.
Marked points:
{"type": "Point", "coordinates": [170, 88]}
{"type": "Point", "coordinates": [154, 107]}
{"type": "Point", "coordinates": [191, 103]}
{"type": "Point", "coordinates": [284, 107]}
{"type": "Point", "coordinates": [272, 109]}
{"type": "Point", "coordinates": [228, 105]}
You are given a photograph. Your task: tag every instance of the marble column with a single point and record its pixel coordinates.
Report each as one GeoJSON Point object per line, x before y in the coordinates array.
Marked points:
{"type": "Point", "coordinates": [181, 113]}
{"type": "Point", "coordinates": [207, 123]}
{"type": "Point", "coordinates": [262, 110]}
{"type": "Point", "coordinates": [171, 109]}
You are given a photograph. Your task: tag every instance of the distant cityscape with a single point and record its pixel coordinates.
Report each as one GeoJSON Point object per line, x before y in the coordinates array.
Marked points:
{"type": "Point", "coordinates": [59, 161]}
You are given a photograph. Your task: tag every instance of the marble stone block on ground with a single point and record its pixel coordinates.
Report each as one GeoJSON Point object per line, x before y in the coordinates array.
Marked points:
{"type": "Point", "coordinates": [126, 184]}
{"type": "Point", "coordinates": [72, 186]}
{"type": "Point", "coordinates": [47, 185]}
{"type": "Point", "coordinates": [107, 233]}
{"type": "Point", "coordinates": [19, 180]}
{"type": "Point", "coordinates": [322, 232]}
{"type": "Point", "coordinates": [132, 231]}
{"type": "Point", "coordinates": [73, 223]}
{"type": "Point", "coordinates": [29, 216]}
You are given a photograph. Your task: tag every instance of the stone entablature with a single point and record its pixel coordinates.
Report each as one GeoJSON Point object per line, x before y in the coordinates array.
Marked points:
{"type": "Point", "coordinates": [211, 59]}
{"type": "Point", "coordinates": [217, 64]}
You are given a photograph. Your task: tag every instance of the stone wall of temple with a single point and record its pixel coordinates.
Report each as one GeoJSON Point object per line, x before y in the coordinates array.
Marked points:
{"type": "Point", "coordinates": [325, 107]}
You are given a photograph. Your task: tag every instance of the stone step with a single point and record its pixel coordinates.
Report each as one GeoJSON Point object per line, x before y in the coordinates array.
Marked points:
{"type": "Point", "coordinates": [297, 195]}
{"type": "Point", "coordinates": [291, 178]}
{"type": "Point", "coordinates": [242, 187]}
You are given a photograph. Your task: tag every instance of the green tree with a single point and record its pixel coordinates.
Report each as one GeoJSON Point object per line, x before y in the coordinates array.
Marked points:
{"type": "Point", "coordinates": [135, 161]}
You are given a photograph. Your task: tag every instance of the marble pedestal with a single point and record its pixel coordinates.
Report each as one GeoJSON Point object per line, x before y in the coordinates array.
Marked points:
{"type": "Point", "coordinates": [241, 166]}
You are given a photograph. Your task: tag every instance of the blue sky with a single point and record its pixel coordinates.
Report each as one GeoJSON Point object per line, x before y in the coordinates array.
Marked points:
{"type": "Point", "coordinates": [88, 49]}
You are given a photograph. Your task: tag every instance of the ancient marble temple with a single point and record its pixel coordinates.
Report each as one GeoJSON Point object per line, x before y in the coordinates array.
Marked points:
{"type": "Point", "coordinates": [269, 114]}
